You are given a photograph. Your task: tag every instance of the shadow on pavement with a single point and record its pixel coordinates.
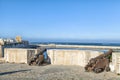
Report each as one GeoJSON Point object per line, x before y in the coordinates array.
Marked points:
{"type": "Point", "coordinates": [12, 72]}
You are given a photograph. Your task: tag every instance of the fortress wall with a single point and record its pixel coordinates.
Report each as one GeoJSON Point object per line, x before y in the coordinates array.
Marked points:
{"type": "Point", "coordinates": [115, 65]}
{"type": "Point", "coordinates": [60, 56]}
{"type": "Point", "coordinates": [0, 51]}
{"type": "Point", "coordinates": [71, 57]}
{"type": "Point", "coordinates": [18, 55]}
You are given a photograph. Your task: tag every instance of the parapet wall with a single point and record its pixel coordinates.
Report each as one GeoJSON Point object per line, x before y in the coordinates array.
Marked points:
{"type": "Point", "coordinates": [19, 55]}
{"type": "Point", "coordinates": [71, 57]}
{"type": "Point", "coordinates": [60, 56]}
{"type": "Point", "coordinates": [115, 65]}
{"type": "Point", "coordinates": [0, 51]}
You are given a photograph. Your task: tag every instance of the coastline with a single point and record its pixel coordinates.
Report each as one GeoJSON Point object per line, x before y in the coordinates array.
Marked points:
{"type": "Point", "coordinates": [79, 46]}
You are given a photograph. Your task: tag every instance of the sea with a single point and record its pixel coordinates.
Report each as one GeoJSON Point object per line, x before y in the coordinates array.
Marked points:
{"type": "Point", "coordinates": [115, 43]}
{"type": "Point", "coordinates": [92, 42]}
{"type": "Point", "coordinates": [81, 43]}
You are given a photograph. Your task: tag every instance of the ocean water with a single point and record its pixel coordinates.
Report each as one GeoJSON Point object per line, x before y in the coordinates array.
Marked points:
{"type": "Point", "coordinates": [117, 44]}
{"type": "Point", "coordinates": [80, 43]}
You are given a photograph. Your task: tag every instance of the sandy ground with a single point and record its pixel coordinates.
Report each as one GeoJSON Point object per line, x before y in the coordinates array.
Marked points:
{"type": "Point", "coordinates": [50, 72]}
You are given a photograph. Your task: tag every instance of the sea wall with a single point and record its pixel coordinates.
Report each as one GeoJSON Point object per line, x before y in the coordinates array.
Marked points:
{"type": "Point", "coordinates": [71, 57]}
{"type": "Point", "coordinates": [22, 44]}
{"type": "Point", "coordinates": [57, 56]}
{"type": "Point", "coordinates": [60, 56]}
{"type": "Point", "coordinates": [19, 55]}
{"type": "Point", "coordinates": [115, 64]}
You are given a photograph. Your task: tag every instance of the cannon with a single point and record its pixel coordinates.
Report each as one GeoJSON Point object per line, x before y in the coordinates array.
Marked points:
{"type": "Point", "coordinates": [99, 63]}
{"type": "Point", "coordinates": [38, 59]}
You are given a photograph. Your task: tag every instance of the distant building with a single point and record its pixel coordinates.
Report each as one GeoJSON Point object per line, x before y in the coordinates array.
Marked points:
{"type": "Point", "coordinates": [6, 41]}
{"type": "Point", "coordinates": [18, 39]}
{"type": "Point", "coordinates": [1, 41]}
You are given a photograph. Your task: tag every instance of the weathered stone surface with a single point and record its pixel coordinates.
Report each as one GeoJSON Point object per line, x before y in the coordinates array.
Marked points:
{"type": "Point", "coordinates": [115, 65]}
{"type": "Point", "coordinates": [71, 57]}
{"type": "Point", "coordinates": [19, 55]}
{"type": "Point", "coordinates": [1, 51]}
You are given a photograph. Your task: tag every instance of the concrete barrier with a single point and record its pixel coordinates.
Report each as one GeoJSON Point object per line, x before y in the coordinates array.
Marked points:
{"type": "Point", "coordinates": [19, 55]}
{"type": "Point", "coordinates": [71, 57]}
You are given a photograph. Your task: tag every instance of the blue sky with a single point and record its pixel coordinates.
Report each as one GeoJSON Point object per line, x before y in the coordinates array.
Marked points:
{"type": "Point", "coordinates": [60, 19]}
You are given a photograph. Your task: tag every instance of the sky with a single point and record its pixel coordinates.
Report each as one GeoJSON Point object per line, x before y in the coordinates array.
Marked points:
{"type": "Point", "coordinates": [60, 19]}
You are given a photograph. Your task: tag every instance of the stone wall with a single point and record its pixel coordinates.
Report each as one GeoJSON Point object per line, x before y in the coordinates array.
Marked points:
{"type": "Point", "coordinates": [115, 64]}
{"type": "Point", "coordinates": [19, 55]}
{"type": "Point", "coordinates": [71, 57]}
{"type": "Point", "coordinates": [23, 44]}
{"type": "Point", "coordinates": [1, 51]}
{"type": "Point", "coordinates": [61, 56]}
